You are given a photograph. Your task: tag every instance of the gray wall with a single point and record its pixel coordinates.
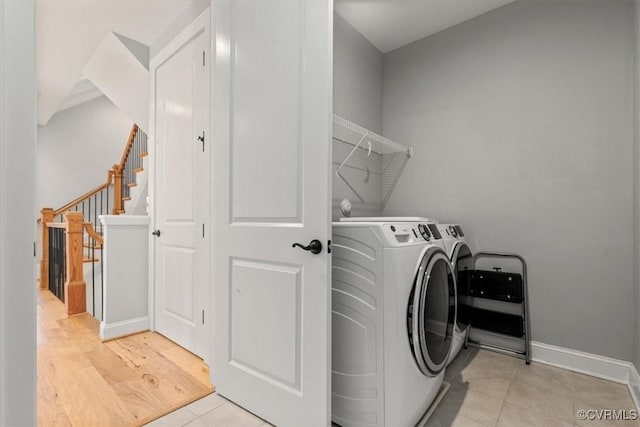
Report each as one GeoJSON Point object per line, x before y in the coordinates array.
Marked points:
{"type": "Point", "coordinates": [76, 149]}
{"type": "Point", "coordinates": [521, 121]}
{"type": "Point", "coordinates": [17, 227]}
{"type": "Point", "coordinates": [357, 96]}
{"type": "Point", "coordinates": [357, 76]}
{"type": "Point", "coordinates": [636, 181]}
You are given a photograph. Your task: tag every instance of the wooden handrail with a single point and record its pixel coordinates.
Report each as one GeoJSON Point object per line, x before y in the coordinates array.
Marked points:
{"type": "Point", "coordinates": [92, 233]}
{"type": "Point", "coordinates": [86, 196]}
{"type": "Point", "coordinates": [127, 148]}
{"type": "Point", "coordinates": [118, 170]}
{"type": "Point", "coordinates": [56, 225]}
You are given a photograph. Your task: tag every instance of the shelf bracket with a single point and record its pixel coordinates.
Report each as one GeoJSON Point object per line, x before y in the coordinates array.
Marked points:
{"type": "Point", "coordinates": [344, 162]}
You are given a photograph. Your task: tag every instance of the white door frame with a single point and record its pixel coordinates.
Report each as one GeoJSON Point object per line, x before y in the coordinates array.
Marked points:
{"type": "Point", "coordinates": [17, 213]}
{"type": "Point", "coordinates": [169, 50]}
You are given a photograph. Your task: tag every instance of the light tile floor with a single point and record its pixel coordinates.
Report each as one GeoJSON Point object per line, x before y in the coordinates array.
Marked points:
{"type": "Point", "coordinates": [490, 389]}
{"type": "Point", "coordinates": [210, 411]}
{"type": "Point", "coordinates": [487, 389]}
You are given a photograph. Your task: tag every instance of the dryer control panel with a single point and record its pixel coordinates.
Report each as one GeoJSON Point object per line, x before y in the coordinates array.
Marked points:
{"type": "Point", "coordinates": [451, 231]}
{"type": "Point", "coordinates": [411, 233]}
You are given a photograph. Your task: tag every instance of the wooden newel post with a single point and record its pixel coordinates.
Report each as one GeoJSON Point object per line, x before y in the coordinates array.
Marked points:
{"type": "Point", "coordinates": [117, 190]}
{"type": "Point", "coordinates": [75, 288]}
{"type": "Point", "coordinates": [46, 217]}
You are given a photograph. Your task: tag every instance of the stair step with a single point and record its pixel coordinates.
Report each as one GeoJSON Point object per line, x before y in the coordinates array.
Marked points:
{"type": "Point", "coordinates": [131, 184]}
{"type": "Point", "coordinates": [138, 170]}
{"type": "Point", "coordinates": [126, 198]}
{"type": "Point", "coordinates": [95, 246]}
{"type": "Point", "coordinates": [144, 154]}
{"type": "Point", "coordinates": [90, 259]}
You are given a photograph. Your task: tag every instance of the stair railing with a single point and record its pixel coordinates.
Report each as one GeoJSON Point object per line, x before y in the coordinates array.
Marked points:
{"type": "Point", "coordinates": [130, 165]}
{"type": "Point", "coordinates": [57, 268]}
{"type": "Point", "coordinates": [76, 228]}
{"type": "Point", "coordinates": [90, 205]}
{"type": "Point", "coordinates": [65, 269]}
{"type": "Point", "coordinates": [95, 244]}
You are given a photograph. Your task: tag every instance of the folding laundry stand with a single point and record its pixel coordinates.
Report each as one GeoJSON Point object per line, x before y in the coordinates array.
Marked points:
{"type": "Point", "coordinates": [500, 304]}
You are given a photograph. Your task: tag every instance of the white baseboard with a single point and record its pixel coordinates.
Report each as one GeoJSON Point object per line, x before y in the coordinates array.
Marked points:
{"type": "Point", "coordinates": [124, 328]}
{"type": "Point", "coordinates": [634, 385]}
{"type": "Point", "coordinates": [584, 363]}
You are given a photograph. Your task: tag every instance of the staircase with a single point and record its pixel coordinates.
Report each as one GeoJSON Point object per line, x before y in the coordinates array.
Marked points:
{"type": "Point", "coordinates": [136, 203]}
{"type": "Point", "coordinates": [133, 171]}
{"type": "Point", "coordinates": [72, 243]}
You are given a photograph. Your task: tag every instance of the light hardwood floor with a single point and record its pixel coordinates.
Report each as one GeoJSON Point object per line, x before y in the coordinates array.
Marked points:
{"type": "Point", "coordinates": [124, 382]}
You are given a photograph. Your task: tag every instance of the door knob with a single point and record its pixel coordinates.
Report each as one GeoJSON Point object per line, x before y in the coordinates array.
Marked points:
{"type": "Point", "coordinates": [156, 233]}
{"type": "Point", "coordinates": [315, 246]}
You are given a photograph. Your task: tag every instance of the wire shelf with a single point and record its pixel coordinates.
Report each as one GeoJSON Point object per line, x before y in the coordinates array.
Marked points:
{"type": "Point", "coordinates": [353, 134]}
{"type": "Point", "coordinates": [386, 155]}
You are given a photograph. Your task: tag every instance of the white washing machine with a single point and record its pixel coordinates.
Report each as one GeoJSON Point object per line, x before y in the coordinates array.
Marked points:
{"type": "Point", "coordinates": [393, 315]}
{"type": "Point", "coordinates": [463, 265]}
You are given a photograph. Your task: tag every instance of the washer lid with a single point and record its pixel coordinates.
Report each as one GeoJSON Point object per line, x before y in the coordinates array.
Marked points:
{"type": "Point", "coordinates": [431, 312]}
{"type": "Point", "coordinates": [386, 219]}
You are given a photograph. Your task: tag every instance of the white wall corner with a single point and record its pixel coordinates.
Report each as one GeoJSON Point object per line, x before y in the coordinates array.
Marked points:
{"type": "Point", "coordinates": [125, 275]}
{"type": "Point", "coordinates": [79, 98]}
{"type": "Point", "coordinates": [585, 363]}
{"type": "Point", "coordinates": [109, 331]}
{"type": "Point", "coordinates": [139, 50]}
{"type": "Point", "coordinates": [118, 73]}
{"type": "Point", "coordinates": [178, 25]}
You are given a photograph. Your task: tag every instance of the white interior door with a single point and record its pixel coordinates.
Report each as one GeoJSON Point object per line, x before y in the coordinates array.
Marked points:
{"type": "Point", "coordinates": [181, 82]}
{"type": "Point", "coordinates": [272, 115]}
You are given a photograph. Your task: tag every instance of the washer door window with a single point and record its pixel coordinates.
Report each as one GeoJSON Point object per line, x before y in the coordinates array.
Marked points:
{"type": "Point", "coordinates": [431, 312]}
{"type": "Point", "coordinates": [463, 267]}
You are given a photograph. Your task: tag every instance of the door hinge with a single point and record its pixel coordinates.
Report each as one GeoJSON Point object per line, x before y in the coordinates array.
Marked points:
{"type": "Point", "coordinates": [329, 247]}
{"type": "Point", "coordinates": [203, 62]}
{"type": "Point", "coordinates": [203, 230]}
{"type": "Point", "coordinates": [203, 317]}
{"type": "Point", "coordinates": [34, 249]}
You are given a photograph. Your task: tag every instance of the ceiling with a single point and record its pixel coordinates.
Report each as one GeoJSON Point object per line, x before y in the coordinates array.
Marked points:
{"type": "Point", "coordinates": [390, 24]}
{"type": "Point", "coordinates": [68, 33]}
{"type": "Point", "coordinates": [80, 93]}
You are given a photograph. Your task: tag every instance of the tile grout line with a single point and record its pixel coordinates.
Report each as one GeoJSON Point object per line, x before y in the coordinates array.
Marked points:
{"type": "Point", "coordinates": [526, 383]}
{"type": "Point", "coordinates": [504, 400]}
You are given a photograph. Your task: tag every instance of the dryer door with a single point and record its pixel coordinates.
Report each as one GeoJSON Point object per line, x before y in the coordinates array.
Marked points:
{"type": "Point", "coordinates": [463, 267]}
{"type": "Point", "coordinates": [431, 312]}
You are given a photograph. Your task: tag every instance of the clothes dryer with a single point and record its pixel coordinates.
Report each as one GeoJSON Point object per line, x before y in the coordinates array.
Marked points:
{"type": "Point", "coordinates": [463, 265]}
{"type": "Point", "coordinates": [393, 314]}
